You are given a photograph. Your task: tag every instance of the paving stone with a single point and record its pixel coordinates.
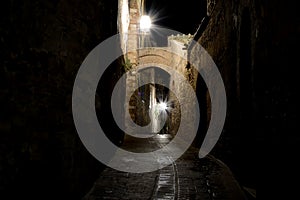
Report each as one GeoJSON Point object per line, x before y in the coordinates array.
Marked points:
{"type": "Point", "coordinates": [188, 178]}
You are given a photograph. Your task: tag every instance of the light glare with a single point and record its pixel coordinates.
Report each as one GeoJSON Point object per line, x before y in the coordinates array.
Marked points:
{"type": "Point", "coordinates": [163, 106]}
{"type": "Point", "coordinates": [145, 23]}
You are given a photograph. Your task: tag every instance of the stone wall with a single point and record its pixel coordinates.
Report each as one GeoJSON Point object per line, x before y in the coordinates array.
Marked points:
{"type": "Point", "coordinates": [249, 41]}
{"type": "Point", "coordinates": [222, 40]}
{"type": "Point", "coordinates": [43, 43]}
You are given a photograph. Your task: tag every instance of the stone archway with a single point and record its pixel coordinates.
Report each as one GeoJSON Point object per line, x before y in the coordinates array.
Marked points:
{"type": "Point", "coordinates": [174, 65]}
{"type": "Point", "coordinates": [171, 57]}
{"type": "Point", "coordinates": [153, 83]}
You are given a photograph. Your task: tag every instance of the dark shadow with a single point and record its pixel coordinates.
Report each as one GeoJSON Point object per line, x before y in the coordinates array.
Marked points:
{"type": "Point", "coordinates": [103, 102]}
{"type": "Point", "coordinates": [204, 105]}
{"type": "Point", "coordinates": [245, 149]}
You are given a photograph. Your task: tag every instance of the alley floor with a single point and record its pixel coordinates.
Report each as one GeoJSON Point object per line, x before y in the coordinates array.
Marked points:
{"type": "Point", "coordinates": [187, 178]}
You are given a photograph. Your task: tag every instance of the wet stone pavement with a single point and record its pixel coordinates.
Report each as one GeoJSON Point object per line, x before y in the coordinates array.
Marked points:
{"type": "Point", "coordinates": [187, 178]}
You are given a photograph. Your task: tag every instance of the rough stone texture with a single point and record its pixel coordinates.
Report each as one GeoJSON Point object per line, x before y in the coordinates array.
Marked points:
{"type": "Point", "coordinates": [187, 178]}
{"type": "Point", "coordinates": [42, 46]}
{"type": "Point", "coordinates": [166, 58]}
{"type": "Point", "coordinates": [221, 39]}
{"type": "Point", "coordinates": [251, 43]}
{"type": "Point", "coordinates": [158, 57]}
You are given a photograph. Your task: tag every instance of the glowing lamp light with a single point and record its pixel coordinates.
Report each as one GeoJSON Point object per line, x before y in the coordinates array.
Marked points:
{"type": "Point", "coordinates": [163, 106]}
{"type": "Point", "coordinates": [145, 23]}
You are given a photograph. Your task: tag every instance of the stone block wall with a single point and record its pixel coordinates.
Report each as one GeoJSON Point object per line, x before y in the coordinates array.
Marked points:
{"type": "Point", "coordinates": [251, 41]}
{"type": "Point", "coordinates": [43, 43]}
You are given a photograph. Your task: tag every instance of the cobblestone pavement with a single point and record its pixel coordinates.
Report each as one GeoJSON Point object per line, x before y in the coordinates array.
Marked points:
{"type": "Point", "coordinates": [187, 178]}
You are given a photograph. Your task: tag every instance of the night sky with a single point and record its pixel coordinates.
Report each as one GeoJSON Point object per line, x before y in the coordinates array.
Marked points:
{"type": "Point", "coordinates": [173, 14]}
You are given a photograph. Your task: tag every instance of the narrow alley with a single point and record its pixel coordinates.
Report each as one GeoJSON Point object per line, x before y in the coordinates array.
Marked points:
{"type": "Point", "coordinates": [149, 99]}
{"type": "Point", "coordinates": [186, 178]}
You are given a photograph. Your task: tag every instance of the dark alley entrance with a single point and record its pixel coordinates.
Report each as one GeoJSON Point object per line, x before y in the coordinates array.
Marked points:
{"type": "Point", "coordinates": [153, 103]}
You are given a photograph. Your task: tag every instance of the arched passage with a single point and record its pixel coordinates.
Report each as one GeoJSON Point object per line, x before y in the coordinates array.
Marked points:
{"type": "Point", "coordinates": [158, 66]}
{"type": "Point", "coordinates": [149, 96]}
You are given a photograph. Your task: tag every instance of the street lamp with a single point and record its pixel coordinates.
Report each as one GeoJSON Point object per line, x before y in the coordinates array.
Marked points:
{"type": "Point", "coordinates": [144, 29]}
{"type": "Point", "coordinates": [145, 23]}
